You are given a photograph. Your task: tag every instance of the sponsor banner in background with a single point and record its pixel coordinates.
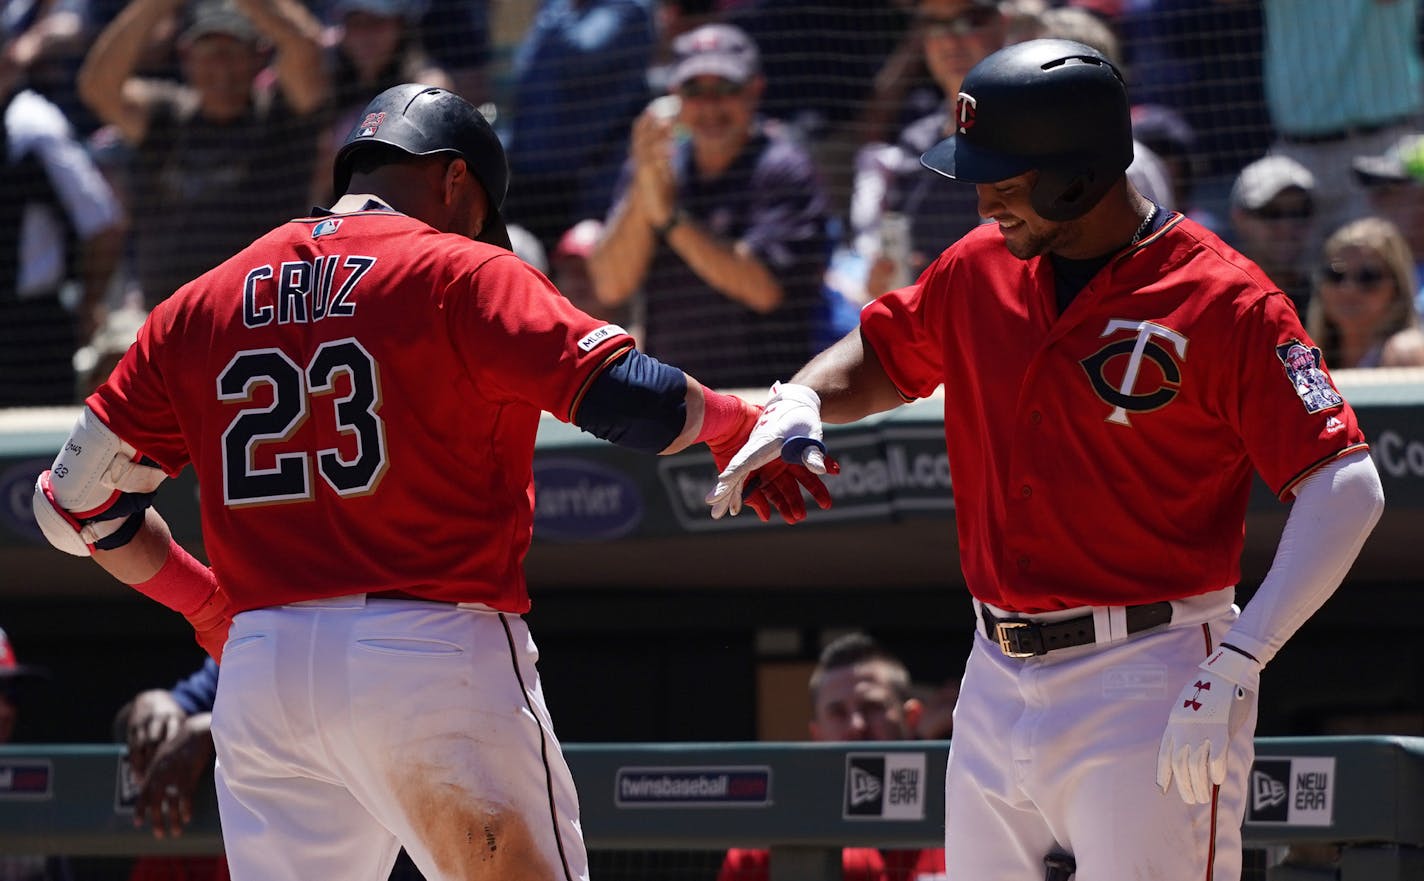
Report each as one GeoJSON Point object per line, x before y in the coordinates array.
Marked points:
{"type": "Point", "coordinates": [897, 469]}
{"type": "Point", "coordinates": [26, 779]}
{"type": "Point", "coordinates": [884, 786]}
{"type": "Point", "coordinates": [1291, 791]}
{"type": "Point", "coordinates": [582, 500]}
{"type": "Point", "coordinates": [683, 787]}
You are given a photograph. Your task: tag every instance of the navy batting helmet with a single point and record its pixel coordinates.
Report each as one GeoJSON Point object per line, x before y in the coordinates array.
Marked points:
{"type": "Point", "coordinates": [425, 121]}
{"type": "Point", "coordinates": [1056, 106]}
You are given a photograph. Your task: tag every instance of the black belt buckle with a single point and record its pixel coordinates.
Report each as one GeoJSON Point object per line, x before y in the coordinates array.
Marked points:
{"type": "Point", "coordinates": [1019, 639]}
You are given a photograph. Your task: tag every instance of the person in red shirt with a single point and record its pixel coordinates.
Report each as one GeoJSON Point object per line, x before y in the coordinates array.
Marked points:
{"type": "Point", "coordinates": [1114, 376]}
{"type": "Point", "coordinates": [358, 393]}
{"type": "Point", "coordinates": [860, 691]}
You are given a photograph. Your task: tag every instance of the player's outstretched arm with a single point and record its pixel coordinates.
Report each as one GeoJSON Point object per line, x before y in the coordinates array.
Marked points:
{"type": "Point", "coordinates": [1334, 512]}
{"type": "Point", "coordinates": [842, 384]}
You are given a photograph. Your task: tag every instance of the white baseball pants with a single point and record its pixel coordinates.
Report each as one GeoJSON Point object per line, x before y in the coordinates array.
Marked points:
{"type": "Point", "coordinates": [1059, 752]}
{"type": "Point", "coordinates": [346, 728]}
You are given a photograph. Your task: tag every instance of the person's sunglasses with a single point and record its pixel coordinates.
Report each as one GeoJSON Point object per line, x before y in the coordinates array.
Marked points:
{"type": "Point", "coordinates": [710, 89]}
{"type": "Point", "coordinates": [1273, 211]}
{"type": "Point", "coordinates": [1365, 277]}
{"type": "Point", "coordinates": [961, 25]}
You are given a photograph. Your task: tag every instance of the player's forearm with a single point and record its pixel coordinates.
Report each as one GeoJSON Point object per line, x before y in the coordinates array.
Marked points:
{"type": "Point", "coordinates": [114, 56]}
{"type": "Point", "coordinates": [141, 558]}
{"type": "Point", "coordinates": [849, 380]}
{"type": "Point", "coordinates": [732, 269]}
{"type": "Point", "coordinates": [620, 261]}
{"type": "Point", "coordinates": [301, 70]}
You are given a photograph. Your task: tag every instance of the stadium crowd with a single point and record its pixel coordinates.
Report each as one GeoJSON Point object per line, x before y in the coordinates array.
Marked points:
{"type": "Point", "coordinates": [732, 179]}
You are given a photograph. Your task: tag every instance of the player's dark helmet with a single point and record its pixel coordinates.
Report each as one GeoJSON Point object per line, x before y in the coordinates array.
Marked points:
{"type": "Point", "coordinates": [1053, 105]}
{"type": "Point", "coordinates": [423, 121]}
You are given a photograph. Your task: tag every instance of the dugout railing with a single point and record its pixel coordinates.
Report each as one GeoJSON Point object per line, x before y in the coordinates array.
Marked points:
{"type": "Point", "coordinates": [804, 801]}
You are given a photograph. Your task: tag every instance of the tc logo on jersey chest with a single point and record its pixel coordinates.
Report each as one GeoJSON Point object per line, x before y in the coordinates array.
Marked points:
{"type": "Point", "coordinates": [1136, 391]}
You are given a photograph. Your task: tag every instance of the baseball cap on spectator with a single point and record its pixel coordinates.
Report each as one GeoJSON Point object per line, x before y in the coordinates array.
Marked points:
{"type": "Point", "coordinates": [1163, 129]}
{"type": "Point", "coordinates": [219, 17]}
{"type": "Point", "coordinates": [720, 50]}
{"type": "Point", "coordinates": [11, 670]}
{"type": "Point", "coordinates": [579, 240]}
{"type": "Point", "coordinates": [1401, 163]}
{"type": "Point", "coordinates": [1266, 178]}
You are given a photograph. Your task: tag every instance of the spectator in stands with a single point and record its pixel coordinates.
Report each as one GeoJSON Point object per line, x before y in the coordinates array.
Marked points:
{"type": "Point", "coordinates": [859, 692]}
{"type": "Point", "coordinates": [1395, 183]}
{"type": "Point", "coordinates": [1272, 205]}
{"type": "Point", "coordinates": [820, 59]}
{"type": "Point", "coordinates": [46, 41]}
{"type": "Point", "coordinates": [1344, 78]}
{"type": "Point", "coordinates": [97, 358]}
{"type": "Point", "coordinates": [568, 270]}
{"type": "Point", "coordinates": [60, 224]}
{"type": "Point", "coordinates": [580, 79]}
{"type": "Point", "coordinates": [373, 45]}
{"type": "Point", "coordinates": [456, 33]}
{"type": "Point", "coordinates": [955, 35]}
{"type": "Point", "coordinates": [15, 680]}
{"type": "Point", "coordinates": [1167, 134]}
{"type": "Point", "coordinates": [723, 229]}
{"type": "Point", "coordinates": [223, 157]}
{"type": "Point", "coordinates": [1363, 312]}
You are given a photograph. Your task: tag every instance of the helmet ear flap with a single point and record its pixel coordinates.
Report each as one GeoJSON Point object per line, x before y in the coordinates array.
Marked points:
{"type": "Point", "coordinates": [1067, 193]}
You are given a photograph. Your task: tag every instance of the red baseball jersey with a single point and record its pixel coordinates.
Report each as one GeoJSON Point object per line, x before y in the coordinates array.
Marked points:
{"type": "Point", "coordinates": [1105, 456]}
{"type": "Point", "coordinates": [359, 395]}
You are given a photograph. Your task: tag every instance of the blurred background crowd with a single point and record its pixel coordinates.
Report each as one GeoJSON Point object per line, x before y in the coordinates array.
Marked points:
{"type": "Point", "coordinates": [147, 140]}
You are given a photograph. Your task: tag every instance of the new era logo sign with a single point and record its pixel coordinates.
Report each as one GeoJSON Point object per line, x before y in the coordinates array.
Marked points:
{"type": "Point", "coordinates": [864, 788]}
{"type": "Point", "coordinates": [1266, 792]}
{"type": "Point", "coordinates": [885, 786]}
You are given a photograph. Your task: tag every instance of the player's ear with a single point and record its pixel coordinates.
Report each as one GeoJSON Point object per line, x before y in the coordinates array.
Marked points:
{"type": "Point", "coordinates": [913, 710]}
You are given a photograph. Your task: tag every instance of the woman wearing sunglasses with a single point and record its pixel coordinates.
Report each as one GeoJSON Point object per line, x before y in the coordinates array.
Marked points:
{"type": "Point", "coordinates": [1363, 312]}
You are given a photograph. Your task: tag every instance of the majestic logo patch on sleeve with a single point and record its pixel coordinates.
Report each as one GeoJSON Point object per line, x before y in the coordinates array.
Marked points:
{"type": "Point", "coordinates": [590, 342]}
{"type": "Point", "coordinates": [1303, 369]}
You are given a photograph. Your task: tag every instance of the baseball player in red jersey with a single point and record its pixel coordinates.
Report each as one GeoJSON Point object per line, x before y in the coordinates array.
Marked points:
{"type": "Point", "coordinates": [358, 393]}
{"type": "Point", "coordinates": [1113, 374]}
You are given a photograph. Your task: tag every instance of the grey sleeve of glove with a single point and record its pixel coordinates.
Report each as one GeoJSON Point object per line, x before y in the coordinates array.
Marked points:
{"type": "Point", "coordinates": [1334, 511]}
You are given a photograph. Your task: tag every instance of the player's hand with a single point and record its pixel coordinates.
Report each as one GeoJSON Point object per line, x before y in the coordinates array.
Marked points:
{"type": "Point", "coordinates": [153, 718]}
{"type": "Point", "coordinates": [165, 800]}
{"type": "Point", "coordinates": [1206, 715]}
{"type": "Point", "coordinates": [211, 623]}
{"type": "Point", "coordinates": [792, 413]}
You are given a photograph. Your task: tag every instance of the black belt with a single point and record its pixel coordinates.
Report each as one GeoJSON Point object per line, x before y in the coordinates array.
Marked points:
{"type": "Point", "coordinates": [402, 595]}
{"type": "Point", "coordinates": [1021, 638]}
{"type": "Point", "coordinates": [1352, 131]}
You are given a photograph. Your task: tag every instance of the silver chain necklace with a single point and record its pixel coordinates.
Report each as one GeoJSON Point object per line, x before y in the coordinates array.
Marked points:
{"type": "Point", "coordinates": [1146, 224]}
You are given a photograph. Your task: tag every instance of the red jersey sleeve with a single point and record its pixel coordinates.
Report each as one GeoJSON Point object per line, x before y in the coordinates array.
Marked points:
{"type": "Point", "coordinates": [524, 341]}
{"type": "Point", "coordinates": [1283, 403]}
{"type": "Point", "coordinates": [135, 402]}
{"type": "Point", "coordinates": [905, 327]}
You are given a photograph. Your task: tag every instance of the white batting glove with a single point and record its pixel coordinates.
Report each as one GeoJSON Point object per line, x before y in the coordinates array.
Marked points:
{"type": "Point", "coordinates": [792, 413]}
{"type": "Point", "coordinates": [1206, 715]}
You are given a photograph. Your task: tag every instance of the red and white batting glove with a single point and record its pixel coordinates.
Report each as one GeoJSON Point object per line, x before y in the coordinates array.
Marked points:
{"type": "Point", "coordinates": [1207, 714]}
{"type": "Point", "coordinates": [728, 422]}
{"type": "Point", "coordinates": [791, 421]}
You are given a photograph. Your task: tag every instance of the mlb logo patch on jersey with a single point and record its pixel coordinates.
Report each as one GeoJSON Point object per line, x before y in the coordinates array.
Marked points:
{"type": "Point", "coordinates": [326, 227]}
{"type": "Point", "coordinates": [370, 124]}
{"type": "Point", "coordinates": [1303, 369]}
{"type": "Point", "coordinates": [590, 342]}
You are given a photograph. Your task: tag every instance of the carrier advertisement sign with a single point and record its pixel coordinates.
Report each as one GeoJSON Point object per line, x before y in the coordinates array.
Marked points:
{"type": "Point", "coordinates": [690, 787]}
{"type": "Point", "coordinates": [1291, 791]}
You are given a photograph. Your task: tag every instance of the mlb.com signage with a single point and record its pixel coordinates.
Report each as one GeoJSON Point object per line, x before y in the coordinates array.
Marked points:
{"type": "Point", "coordinates": [895, 469]}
